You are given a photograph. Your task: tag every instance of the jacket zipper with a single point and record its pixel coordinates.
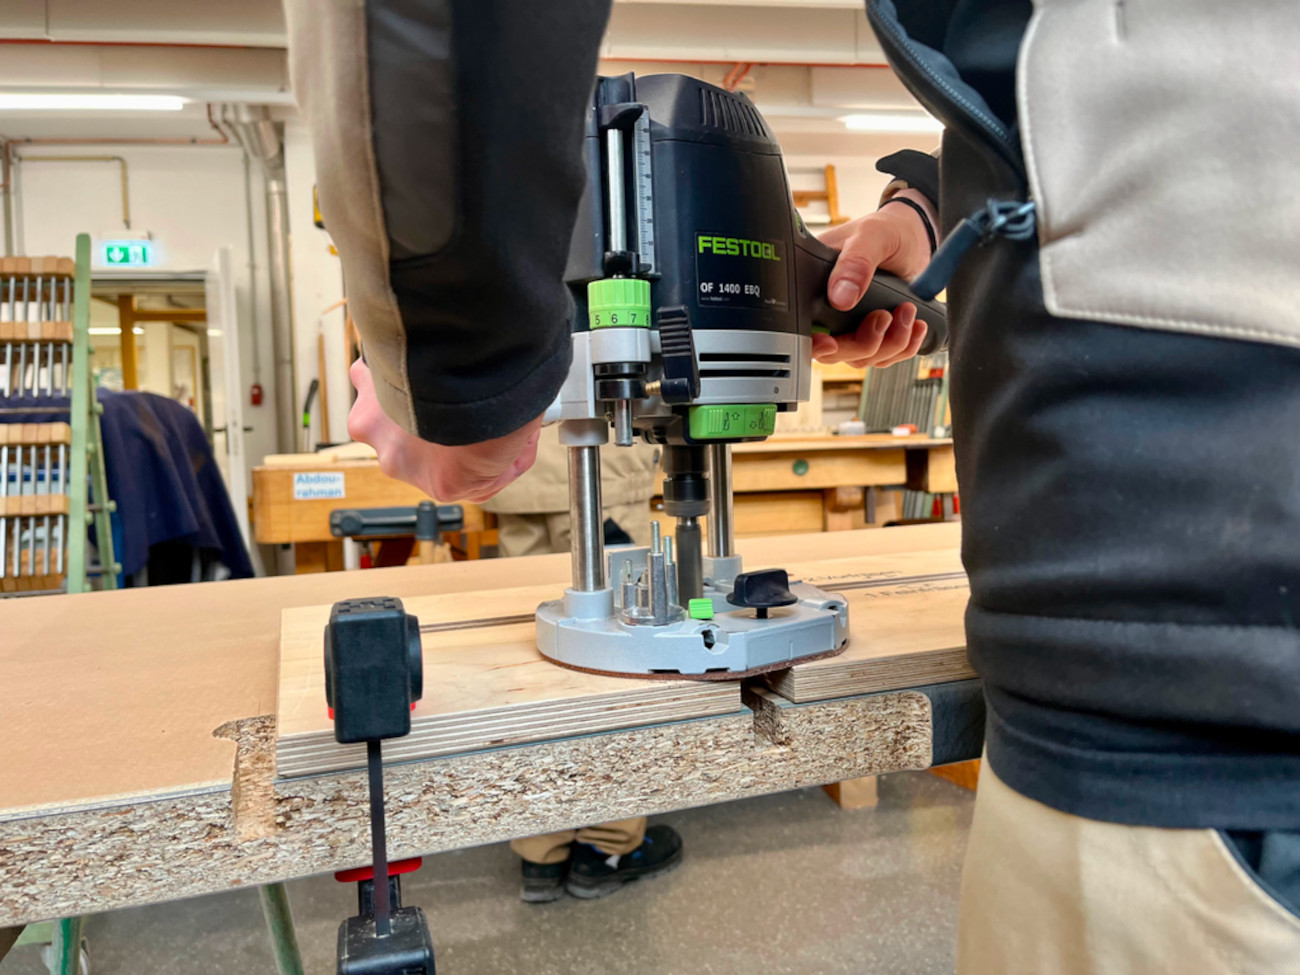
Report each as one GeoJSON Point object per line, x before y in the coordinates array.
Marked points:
{"type": "Point", "coordinates": [1012, 219]}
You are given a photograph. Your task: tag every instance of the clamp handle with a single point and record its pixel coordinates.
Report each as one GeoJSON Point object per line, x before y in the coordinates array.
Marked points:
{"type": "Point", "coordinates": [374, 674]}
{"type": "Point", "coordinates": [374, 669]}
{"type": "Point", "coordinates": [424, 521]}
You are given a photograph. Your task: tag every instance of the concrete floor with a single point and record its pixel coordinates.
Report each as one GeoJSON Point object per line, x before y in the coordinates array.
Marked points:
{"type": "Point", "coordinates": [779, 884]}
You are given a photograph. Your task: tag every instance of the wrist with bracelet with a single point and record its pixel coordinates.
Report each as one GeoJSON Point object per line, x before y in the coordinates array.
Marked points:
{"type": "Point", "coordinates": [920, 212]}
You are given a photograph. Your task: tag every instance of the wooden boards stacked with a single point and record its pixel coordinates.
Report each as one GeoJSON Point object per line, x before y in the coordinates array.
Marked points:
{"type": "Point", "coordinates": [905, 623]}
{"type": "Point", "coordinates": [485, 686]}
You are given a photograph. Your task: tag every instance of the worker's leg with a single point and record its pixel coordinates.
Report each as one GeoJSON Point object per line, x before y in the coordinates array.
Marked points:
{"type": "Point", "coordinates": [632, 518]}
{"type": "Point", "coordinates": [522, 535]}
{"type": "Point", "coordinates": [609, 856]}
{"type": "Point", "coordinates": [545, 865]}
{"type": "Point", "coordinates": [547, 848]}
{"type": "Point", "coordinates": [1046, 893]}
{"type": "Point", "coordinates": [621, 836]}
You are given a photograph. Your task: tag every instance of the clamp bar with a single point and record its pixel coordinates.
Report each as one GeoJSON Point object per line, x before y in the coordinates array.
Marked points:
{"type": "Point", "coordinates": [378, 837]}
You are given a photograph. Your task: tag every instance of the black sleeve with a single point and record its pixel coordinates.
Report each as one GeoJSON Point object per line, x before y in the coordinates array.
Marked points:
{"type": "Point", "coordinates": [917, 169]}
{"type": "Point", "coordinates": [448, 137]}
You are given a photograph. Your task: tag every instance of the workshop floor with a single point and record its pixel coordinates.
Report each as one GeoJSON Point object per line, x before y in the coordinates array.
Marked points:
{"type": "Point", "coordinates": [780, 884]}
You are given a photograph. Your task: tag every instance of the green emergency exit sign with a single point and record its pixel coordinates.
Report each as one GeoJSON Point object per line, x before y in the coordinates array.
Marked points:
{"type": "Point", "coordinates": [128, 253]}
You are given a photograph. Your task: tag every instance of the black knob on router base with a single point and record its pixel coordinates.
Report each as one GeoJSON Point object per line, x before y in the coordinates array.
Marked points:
{"type": "Point", "coordinates": [762, 591]}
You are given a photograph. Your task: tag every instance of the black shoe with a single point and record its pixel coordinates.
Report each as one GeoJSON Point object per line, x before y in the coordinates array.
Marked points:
{"type": "Point", "coordinates": [594, 874]}
{"type": "Point", "coordinates": [543, 882]}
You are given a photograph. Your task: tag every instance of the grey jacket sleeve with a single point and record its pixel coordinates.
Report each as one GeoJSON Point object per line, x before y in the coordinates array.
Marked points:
{"type": "Point", "coordinates": [447, 136]}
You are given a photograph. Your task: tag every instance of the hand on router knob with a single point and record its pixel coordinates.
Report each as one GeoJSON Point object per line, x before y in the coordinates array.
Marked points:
{"type": "Point", "coordinates": [891, 239]}
{"type": "Point", "coordinates": [472, 472]}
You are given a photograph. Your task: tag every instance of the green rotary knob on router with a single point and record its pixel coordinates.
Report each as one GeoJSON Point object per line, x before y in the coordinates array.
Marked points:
{"type": "Point", "coordinates": [618, 303]}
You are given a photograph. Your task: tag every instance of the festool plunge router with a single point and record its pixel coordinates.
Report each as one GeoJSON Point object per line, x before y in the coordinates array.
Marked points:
{"type": "Point", "coordinates": [698, 289]}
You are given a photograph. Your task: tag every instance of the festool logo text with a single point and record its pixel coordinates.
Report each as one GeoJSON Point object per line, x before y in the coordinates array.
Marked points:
{"type": "Point", "coordinates": [738, 246]}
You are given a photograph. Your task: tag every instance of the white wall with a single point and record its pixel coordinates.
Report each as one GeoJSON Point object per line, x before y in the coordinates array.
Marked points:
{"type": "Point", "coordinates": [192, 201]}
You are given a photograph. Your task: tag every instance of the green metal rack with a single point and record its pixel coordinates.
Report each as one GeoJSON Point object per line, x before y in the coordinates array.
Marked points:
{"type": "Point", "coordinates": [88, 474]}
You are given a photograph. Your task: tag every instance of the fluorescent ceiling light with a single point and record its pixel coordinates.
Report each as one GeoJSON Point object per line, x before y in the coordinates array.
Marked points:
{"type": "Point", "coordinates": [891, 122]}
{"type": "Point", "coordinates": [50, 101]}
{"type": "Point", "coordinates": [137, 330]}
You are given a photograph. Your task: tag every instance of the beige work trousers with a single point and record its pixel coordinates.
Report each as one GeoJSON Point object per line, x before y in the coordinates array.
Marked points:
{"type": "Point", "coordinates": [539, 534]}
{"type": "Point", "coordinates": [619, 837]}
{"type": "Point", "coordinates": [1047, 893]}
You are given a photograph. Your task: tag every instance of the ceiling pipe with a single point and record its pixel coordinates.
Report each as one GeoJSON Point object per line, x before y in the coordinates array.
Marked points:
{"type": "Point", "coordinates": [121, 161]}
{"type": "Point", "coordinates": [51, 42]}
{"type": "Point", "coordinates": [736, 75]}
{"type": "Point", "coordinates": [221, 139]}
{"type": "Point", "coordinates": [262, 142]}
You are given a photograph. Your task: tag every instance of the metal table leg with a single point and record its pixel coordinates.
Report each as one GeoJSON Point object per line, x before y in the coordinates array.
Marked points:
{"type": "Point", "coordinates": [279, 927]}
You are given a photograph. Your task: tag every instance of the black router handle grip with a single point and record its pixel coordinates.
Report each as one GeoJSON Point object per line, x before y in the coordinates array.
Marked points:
{"type": "Point", "coordinates": [886, 291]}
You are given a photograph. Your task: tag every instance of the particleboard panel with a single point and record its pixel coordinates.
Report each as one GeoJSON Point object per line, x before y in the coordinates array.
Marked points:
{"type": "Point", "coordinates": [121, 693]}
{"type": "Point", "coordinates": [145, 677]}
{"type": "Point", "coordinates": [145, 771]}
{"type": "Point", "coordinates": [279, 518]}
{"type": "Point", "coordinates": [487, 685]}
{"type": "Point", "coordinates": [98, 857]}
{"type": "Point", "coordinates": [905, 626]}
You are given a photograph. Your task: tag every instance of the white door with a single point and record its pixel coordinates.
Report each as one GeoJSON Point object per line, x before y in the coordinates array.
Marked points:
{"type": "Point", "coordinates": [227, 400]}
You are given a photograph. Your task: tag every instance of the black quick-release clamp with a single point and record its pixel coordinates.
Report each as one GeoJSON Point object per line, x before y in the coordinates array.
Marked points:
{"type": "Point", "coordinates": [374, 675]}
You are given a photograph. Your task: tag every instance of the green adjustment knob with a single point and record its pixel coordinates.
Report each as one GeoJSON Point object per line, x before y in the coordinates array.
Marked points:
{"type": "Point", "coordinates": [732, 422]}
{"type": "Point", "coordinates": [700, 609]}
{"type": "Point", "coordinates": [619, 303]}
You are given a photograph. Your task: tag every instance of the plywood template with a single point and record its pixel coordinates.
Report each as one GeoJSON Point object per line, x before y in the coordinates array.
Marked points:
{"type": "Point", "coordinates": [905, 623]}
{"type": "Point", "coordinates": [486, 685]}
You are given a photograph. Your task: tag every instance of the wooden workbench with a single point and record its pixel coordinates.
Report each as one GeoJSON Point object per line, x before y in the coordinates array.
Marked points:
{"type": "Point", "coordinates": [782, 486]}
{"type": "Point", "coordinates": [139, 734]}
{"type": "Point", "coordinates": [788, 485]}
{"type": "Point", "coordinates": [282, 518]}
